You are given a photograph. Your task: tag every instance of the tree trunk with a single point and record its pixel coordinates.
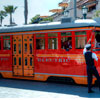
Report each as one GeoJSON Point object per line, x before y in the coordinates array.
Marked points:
{"type": "Point", "coordinates": [10, 18]}
{"type": "Point", "coordinates": [1, 20]}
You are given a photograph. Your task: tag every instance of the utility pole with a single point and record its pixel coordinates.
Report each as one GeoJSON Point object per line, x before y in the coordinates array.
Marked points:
{"type": "Point", "coordinates": [75, 9]}
{"type": "Point", "coordinates": [26, 11]}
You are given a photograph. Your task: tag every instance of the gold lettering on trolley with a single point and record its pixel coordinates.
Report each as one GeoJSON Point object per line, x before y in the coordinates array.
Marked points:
{"type": "Point", "coordinates": [79, 58]}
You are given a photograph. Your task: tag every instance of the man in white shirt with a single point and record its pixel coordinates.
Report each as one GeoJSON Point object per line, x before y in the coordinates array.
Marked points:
{"type": "Point", "coordinates": [91, 69]}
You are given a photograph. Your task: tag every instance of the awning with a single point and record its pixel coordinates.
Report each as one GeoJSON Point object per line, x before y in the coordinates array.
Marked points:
{"type": "Point", "coordinates": [87, 2]}
{"type": "Point", "coordinates": [63, 4]}
{"type": "Point", "coordinates": [56, 10]}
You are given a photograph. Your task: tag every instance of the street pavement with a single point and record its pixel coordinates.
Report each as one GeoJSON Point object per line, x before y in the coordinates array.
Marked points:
{"type": "Point", "coordinates": [11, 88]}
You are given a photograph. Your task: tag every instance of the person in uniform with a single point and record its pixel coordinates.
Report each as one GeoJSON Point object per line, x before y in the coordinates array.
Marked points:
{"type": "Point", "coordinates": [91, 69]}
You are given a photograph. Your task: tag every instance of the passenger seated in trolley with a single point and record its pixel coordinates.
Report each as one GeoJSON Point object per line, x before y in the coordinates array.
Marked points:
{"type": "Point", "coordinates": [97, 40]}
{"type": "Point", "coordinates": [40, 44]}
{"type": "Point", "coordinates": [67, 44]}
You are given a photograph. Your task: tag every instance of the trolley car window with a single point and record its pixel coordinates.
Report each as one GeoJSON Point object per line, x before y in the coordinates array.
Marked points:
{"type": "Point", "coordinates": [19, 48]}
{"type": "Point", "coordinates": [14, 60]}
{"type": "Point", "coordinates": [6, 41]}
{"type": "Point", "coordinates": [66, 41]}
{"type": "Point", "coordinates": [6, 37]}
{"type": "Point", "coordinates": [14, 48]}
{"type": "Point", "coordinates": [25, 61]}
{"type": "Point", "coordinates": [25, 39]}
{"type": "Point", "coordinates": [97, 39]}
{"type": "Point", "coordinates": [30, 48]}
{"type": "Point", "coordinates": [19, 40]}
{"type": "Point", "coordinates": [40, 35]}
{"type": "Point", "coordinates": [31, 61]}
{"type": "Point", "coordinates": [25, 45]}
{"type": "Point", "coordinates": [14, 40]}
{"type": "Point", "coordinates": [80, 39]}
{"type": "Point", "coordinates": [40, 43]}
{"type": "Point", "coordinates": [20, 61]}
{"type": "Point", "coordinates": [66, 34]}
{"type": "Point", "coordinates": [80, 33]}
{"type": "Point", "coordinates": [52, 43]}
{"type": "Point", "coordinates": [52, 35]}
{"type": "Point", "coordinates": [30, 39]}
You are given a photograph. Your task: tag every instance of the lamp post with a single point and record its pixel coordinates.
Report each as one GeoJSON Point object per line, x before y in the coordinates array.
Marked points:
{"type": "Point", "coordinates": [84, 11]}
{"type": "Point", "coordinates": [75, 9]}
{"type": "Point", "coordinates": [66, 12]}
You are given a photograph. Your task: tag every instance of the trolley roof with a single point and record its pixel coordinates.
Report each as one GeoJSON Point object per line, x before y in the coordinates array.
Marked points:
{"type": "Point", "coordinates": [52, 25]}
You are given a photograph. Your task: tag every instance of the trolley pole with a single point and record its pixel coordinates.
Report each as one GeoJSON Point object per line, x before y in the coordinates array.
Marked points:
{"type": "Point", "coordinates": [75, 10]}
{"type": "Point", "coordinates": [25, 11]}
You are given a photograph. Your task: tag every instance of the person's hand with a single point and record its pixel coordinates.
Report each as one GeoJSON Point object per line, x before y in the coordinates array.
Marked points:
{"type": "Point", "coordinates": [89, 41]}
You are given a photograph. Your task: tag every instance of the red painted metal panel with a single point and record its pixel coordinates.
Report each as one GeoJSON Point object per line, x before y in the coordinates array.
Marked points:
{"type": "Point", "coordinates": [6, 57]}
{"type": "Point", "coordinates": [60, 61]}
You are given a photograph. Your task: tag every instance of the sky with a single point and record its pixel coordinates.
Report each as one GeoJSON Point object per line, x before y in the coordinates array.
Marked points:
{"type": "Point", "coordinates": [35, 7]}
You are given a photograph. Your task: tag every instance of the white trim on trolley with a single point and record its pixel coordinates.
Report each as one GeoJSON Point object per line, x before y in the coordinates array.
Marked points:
{"type": "Point", "coordinates": [61, 75]}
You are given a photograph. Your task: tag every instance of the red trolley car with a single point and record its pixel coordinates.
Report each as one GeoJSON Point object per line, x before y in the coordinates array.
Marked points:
{"type": "Point", "coordinates": [39, 51]}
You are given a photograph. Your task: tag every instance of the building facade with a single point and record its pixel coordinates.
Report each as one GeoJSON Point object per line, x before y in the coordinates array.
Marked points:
{"type": "Point", "coordinates": [68, 6]}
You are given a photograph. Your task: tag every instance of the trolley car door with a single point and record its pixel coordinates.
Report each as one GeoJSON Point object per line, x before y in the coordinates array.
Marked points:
{"type": "Point", "coordinates": [23, 58]}
{"type": "Point", "coordinates": [28, 62]}
{"type": "Point", "coordinates": [17, 55]}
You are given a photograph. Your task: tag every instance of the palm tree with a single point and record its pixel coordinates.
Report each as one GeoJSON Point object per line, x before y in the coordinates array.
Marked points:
{"type": "Point", "coordinates": [2, 15]}
{"type": "Point", "coordinates": [10, 9]}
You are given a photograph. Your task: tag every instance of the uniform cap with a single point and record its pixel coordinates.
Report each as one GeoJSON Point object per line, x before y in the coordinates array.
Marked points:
{"type": "Point", "coordinates": [88, 46]}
